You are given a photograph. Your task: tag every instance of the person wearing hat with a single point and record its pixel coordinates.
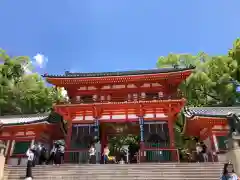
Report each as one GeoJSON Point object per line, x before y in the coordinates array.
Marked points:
{"type": "Point", "coordinates": [30, 162]}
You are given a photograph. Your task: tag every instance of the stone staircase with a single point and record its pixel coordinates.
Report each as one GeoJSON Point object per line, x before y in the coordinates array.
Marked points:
{"type": "Point", "coordinates": [150, 171]}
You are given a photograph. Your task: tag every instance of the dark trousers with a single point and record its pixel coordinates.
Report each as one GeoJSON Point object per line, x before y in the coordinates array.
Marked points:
{"type": "Point", "coordinates": [92, 159]}
{"type": "Point", "coordinates": [57, 158]}
{"type": "Point", "coordinates": [105, 159]}
{"type": "Point", "coordinates": [29, 169]}
{"type": "Point", "coordinates": [62, 157]}
{"type": "Point", "coordinates": [50, 159]}
{"type": "Point", "coordinates": [199, 157]}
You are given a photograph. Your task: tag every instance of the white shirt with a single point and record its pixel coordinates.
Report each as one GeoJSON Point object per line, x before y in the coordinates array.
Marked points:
{"type": "Point", "coordinates": [198, 149]}
{"type": "Point", "coordinates": [62, 149]}
{"type": "Point", "coordinates": [30, 155]}
{"type": "Point", "coordinates": [53, 150]}
{"type": "Point", "coordinates": [92, 151]}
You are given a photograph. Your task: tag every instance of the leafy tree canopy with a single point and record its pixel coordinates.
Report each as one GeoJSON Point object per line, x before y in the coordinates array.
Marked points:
{"type": "Point", "coordinates": [22, 92]}
{"type": "Point", "coordinates": [210, 83]}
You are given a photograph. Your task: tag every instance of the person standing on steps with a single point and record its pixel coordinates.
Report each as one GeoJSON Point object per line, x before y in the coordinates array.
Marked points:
{"type": "Point", "coordinates": [62, 151]}
{"type": "Point", "coordinates": [199, 153]}
{"type": "Point", "coordinates": [105, 154]}
{"type": "Point", "coordinates": [57, 156]}
{"type": "Point", "coordinates": [52, 154]}
{"type": "Point", "coordinates": [204, 152]}
{"type": "Point", "coordinates": [92, 155]}
{"type": "Point", "coordinates": [30, 162]}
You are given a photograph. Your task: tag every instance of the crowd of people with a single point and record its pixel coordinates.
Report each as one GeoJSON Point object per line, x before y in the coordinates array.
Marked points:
{"type": "Point", "coordinates": [39, 155]}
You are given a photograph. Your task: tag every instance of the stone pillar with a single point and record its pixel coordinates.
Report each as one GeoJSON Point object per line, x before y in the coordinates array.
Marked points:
{"type": "Point", "coordinates": [142, 151]}
{"type": "Point", "coordinates": [2, 160]}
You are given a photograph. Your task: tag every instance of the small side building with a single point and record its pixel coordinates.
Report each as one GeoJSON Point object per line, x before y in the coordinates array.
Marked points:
{"type": "Point", "coordinates": [210, 124]}
{"type": "Point", "coordinates": [19, 132]}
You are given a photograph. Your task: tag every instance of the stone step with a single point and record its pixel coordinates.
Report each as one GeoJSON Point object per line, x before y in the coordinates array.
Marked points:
{"type": "Point", "coordinates": [121, 178]}
{"type": "Point", "coordinates": [160, 171]}
{"type": "Point", "coordinates": [119, 166]}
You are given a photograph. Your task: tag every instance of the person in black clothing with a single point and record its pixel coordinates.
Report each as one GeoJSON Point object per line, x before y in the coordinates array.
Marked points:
{"type": "Point", "coordinates": [57, 157]}
{"type": "Point", "coordinates": [43, 155]}
{"type": "Point", "coordinates": [204, 152]}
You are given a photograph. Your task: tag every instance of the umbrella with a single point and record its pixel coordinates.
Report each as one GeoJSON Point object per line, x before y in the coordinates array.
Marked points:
{"type": "Point", "coordinates": [60, 142]}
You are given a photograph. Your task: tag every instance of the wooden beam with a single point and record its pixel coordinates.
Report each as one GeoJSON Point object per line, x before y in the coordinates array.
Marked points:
{"type": "Point", "coordinates": [119, 91]}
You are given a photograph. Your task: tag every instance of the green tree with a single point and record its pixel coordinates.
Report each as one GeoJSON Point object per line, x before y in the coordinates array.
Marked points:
{"type": "Point", "coordinates": [22, 92]}
{"type": "Point", "coordinates": [208, 85]}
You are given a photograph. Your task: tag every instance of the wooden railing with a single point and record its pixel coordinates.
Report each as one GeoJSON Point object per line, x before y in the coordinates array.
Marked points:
{"type": "Point", "coordinates": [158, 154]}
{"type": "Point", "coordinates": [90, 100]}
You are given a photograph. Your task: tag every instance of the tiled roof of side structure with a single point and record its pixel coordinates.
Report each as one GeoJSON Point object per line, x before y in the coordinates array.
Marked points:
{"type": "Point", "coordinates": [119, 73]}
{"type": "Point", "coordinates": [23, 119]}
{"type": "Point", "coordinates": [211, 111]}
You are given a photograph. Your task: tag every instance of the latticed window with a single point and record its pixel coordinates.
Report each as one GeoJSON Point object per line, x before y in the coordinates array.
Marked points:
{"type": "Point", "coordinates": [87, 99]}
{"type": "Point", "coordinates": [82, 136]}
{"type": "Point", "coordinates": [151, 96]}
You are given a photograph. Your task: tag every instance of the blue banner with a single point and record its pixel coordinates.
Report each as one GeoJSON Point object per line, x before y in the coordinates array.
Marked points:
{"type": "Point", "coordinates": [96, 128]}
{"type": "Point", "coordinates": [141, 123]}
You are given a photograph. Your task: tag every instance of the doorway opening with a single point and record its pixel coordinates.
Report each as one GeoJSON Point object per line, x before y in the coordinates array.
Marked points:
{"type": "Point", "coordinates": [122, 139]}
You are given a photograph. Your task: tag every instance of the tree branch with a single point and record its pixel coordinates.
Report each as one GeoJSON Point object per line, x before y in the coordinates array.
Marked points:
{"type": "Point", "coordinates": [212, 96]}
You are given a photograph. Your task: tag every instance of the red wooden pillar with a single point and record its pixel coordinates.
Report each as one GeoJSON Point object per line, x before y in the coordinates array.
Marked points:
{"type": "Point", "coordinates": [104, 140]}
{"type": "Point", "coordinates": [213, 147]}
{"type": "Point", "coordinates": [9, 150]}
{"type": "Point", "coordinates": [68, 139]}
{"type": "Point", "coordinates": [174, 153]}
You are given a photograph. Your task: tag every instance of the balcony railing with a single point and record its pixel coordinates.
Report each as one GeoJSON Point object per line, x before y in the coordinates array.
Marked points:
{"type": "Point", "coordinates": [90, 100]}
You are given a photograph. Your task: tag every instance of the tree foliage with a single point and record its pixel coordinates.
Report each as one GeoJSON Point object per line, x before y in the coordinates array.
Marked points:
{"type": "Point", "coordinates": [210, 84]}
{"type": "Point", "coordinates": [21, 92]}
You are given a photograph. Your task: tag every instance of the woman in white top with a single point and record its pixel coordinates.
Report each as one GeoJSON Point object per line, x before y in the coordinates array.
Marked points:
{"type": "Point", "coordinates": [30, 156]}
{"type": "Point", "coordinates": [92, 155]}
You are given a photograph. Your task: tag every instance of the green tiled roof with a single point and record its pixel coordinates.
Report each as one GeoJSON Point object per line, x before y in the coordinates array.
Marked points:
{"type": "Point", "coordinates": [211, 111]}
{"type": "Point", "coordinates": [48, 118]}
{"type": "Point", "coordinates": [24, 119]}
{"type": "Point", "coordinates": [119, 73]}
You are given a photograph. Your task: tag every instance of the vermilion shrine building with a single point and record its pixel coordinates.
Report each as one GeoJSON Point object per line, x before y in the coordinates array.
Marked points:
{"type": "Point", "coordinates": [102, 105]}
{"type": "Point", "coordinates": [19, 132]}
{"type": "Point", "coordinates": [210, 124]}
{"type": "Point", "coordinates": [132, 102]}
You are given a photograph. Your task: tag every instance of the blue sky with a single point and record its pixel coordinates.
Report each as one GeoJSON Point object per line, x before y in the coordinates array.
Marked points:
{"type": "Point", "coordinates": [111, 35]}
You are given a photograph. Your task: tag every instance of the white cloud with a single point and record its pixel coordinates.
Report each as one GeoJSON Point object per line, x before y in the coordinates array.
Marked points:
{"type": "Point", "coordinates": [40, 60]}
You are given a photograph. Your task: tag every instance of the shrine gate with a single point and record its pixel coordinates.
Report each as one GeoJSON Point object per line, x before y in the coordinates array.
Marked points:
{"type": "Point", "coordinates": [143, 102]}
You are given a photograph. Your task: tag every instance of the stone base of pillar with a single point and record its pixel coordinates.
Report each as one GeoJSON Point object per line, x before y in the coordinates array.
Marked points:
{"type": "Point", "coordinates": [2, 163]}
{"type": "Point", "coordinates": [2, 159]}
{"type": "Point", "coordinates": [233, 156]}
